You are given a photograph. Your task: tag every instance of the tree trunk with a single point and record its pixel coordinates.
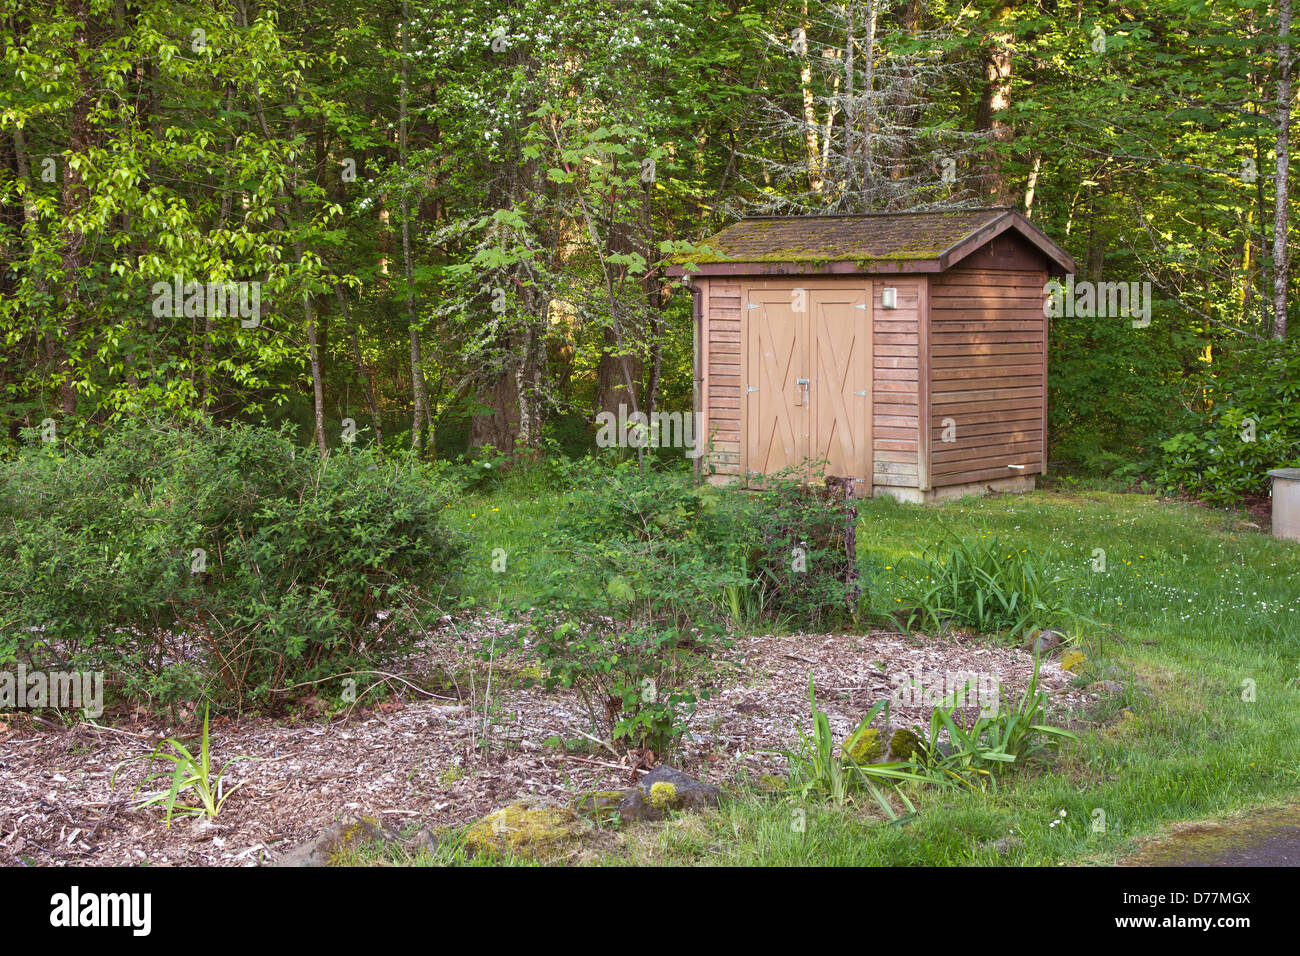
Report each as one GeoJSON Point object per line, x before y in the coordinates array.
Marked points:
{"type": "Point", "coordinates": [73, 196]}
{"type": "Point", "coordinates": [994, 101]}
{"type": "Point", "coordinates": [1281, 201]}
{"type": "Point", "coordinates": [611, 386]}
{"type": "Point", "coordinates": [309, 315]}
{"type": "Point", "coordinates": [1031, 187]}
{"type": "Point", "coordinates": [317, 386]}
{"type": "Point", "coordinates": [499, 425]}
{"type": "Point", "coordinates": [420, 413]}
{"type": "Point", "coordinates": [815, 180]}
{"type": "Point", "coordinates": [366, 381]}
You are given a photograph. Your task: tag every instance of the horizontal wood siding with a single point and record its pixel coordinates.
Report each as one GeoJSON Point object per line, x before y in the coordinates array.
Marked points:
{"type": "Point", "coordinates": [722, 372]}
{"type": "Point", "coordinates": [896, 397]}
{"type": "Point", "coordinates": [987, 351]}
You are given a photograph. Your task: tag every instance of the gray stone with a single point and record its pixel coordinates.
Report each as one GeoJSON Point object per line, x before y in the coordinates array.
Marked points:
{"type": "Point", "coordinates": [677, 791]}
{"type": "Point", "coordinates": [426, 841]}
{"type": "Point", "coordinates": [1007, 844]}
{"type": "Point", "coordinates": [1043, 642]}
{"type": "Point", "coordinates": [347, 832]}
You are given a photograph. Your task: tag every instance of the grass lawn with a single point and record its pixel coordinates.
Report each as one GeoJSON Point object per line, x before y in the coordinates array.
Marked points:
{"type": "Point", "coordinates": [1199, 609]}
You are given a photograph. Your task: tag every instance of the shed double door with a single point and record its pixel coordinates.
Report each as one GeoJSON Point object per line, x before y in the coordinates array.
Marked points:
{"type": "Point", "coordinates": [807, 397]}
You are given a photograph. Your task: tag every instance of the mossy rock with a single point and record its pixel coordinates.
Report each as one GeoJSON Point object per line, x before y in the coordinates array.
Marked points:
{"type": "Point", "coordinates": [865, 747]}
{"type": "Point", "coordinates": [525, 831]}
{"type": "Point", "coordinates": [663, 796]}
{"type": "Point", "coordinates": [1073, 661]}
{"type": "Point", "coordinates": [340, 838]}
{"type": "Point", "coordinates": [905, 742]}
{"type": "Point", "coordinates": [664, 789]}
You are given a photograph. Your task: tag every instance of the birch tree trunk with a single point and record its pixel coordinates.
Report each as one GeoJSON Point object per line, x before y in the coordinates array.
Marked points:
{"type": "Point", "coordinates": [815, 181]}
{"type": "Point", "coordinates": [1281, 200]}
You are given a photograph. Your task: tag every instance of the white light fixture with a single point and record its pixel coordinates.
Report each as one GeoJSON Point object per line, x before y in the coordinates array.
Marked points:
{"type": "Point", "coordinates": [889, 298]}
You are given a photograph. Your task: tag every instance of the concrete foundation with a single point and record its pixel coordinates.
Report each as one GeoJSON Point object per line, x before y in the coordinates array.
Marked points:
{"type": "Point", "coordinates": [1017, 484]}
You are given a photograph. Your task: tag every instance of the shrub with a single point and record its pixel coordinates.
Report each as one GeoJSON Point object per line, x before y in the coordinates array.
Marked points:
{"type": "Point", "coordinates": [223, 558]}
{"type": "Point", "coordinates": [798, 557]}
{"type": "Point", "coordinates": [627, 619]}
{"type": "Point", "coordinates": [1245, 421]}
{"type": "Point", "coordinates": [654, 567]}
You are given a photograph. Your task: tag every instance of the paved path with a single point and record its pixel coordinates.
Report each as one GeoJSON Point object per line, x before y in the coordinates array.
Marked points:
{"type": "Point", "coordinates": [1268, 838]}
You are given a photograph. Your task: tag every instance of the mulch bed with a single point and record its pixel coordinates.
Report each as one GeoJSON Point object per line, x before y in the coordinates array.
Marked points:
{"type": "Point", "coordinates": [415, 762]}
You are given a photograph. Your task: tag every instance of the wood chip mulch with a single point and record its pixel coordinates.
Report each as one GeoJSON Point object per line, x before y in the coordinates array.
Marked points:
{"type": "Point", "coordinates": [415, 763]}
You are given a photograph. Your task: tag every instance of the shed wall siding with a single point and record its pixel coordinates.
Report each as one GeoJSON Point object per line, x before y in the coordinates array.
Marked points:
{"type": "Point", "coordinates": [896, 397]}
{"type": "Point", "coordinates": [987, 352]}
{"type": "Point", "coordinates": [722, 374]}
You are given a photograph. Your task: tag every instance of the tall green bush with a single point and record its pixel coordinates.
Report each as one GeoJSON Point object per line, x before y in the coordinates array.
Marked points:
{"type": "Point", "coordinates": [221, 560]}
{"type": "Point", "coordinates": [637, 609]}
{"type": "Point", "coordinates": [1245, 421]}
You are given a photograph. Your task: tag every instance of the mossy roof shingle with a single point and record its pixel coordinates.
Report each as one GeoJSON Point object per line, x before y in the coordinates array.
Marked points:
{"type": "Point", "coordinates": [884, 236]}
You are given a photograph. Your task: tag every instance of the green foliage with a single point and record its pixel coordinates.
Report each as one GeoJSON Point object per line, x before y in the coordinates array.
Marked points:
{"type": "Point", "coordinates": [223, 558]}
{"type": "Point", "coordinates": [1010, 732]}
{"type": "Point", "coordinates": [981, 583]}
{"type": "Point", "coordinates": [971, 756]}
{"type": "Point", "coordinates": [1246, 421]}
{"type": "Point", "coordinates": [481, 471]}
{"type": "Point", "coordinates": [745, 601]}
{"type": "Point", "coordinates": [562, 164]}
{"type": "Point", "coordinates": [188, 773]}
{"type": "Point", "coordinates": [820, 768]}
{"type": "Point", "coordinates": [796, 558]}
{"type": "Point", "coordinates": [655, 567]}
{"type": "Point", "coordinates": [626, 619]}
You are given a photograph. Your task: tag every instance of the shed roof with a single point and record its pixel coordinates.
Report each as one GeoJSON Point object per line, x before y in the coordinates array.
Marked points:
{"type": "Point", "coordinates": [872, 242]}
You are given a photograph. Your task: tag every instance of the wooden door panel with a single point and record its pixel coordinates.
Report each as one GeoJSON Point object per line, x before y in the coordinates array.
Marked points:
{"type": "Point", "coordinates": [776, 420]}
{"type": "Point", "coordinates": [840, 350]}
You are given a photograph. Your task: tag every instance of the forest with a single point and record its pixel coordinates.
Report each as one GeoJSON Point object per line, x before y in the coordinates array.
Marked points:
{"type": "Point", "coordinates": [458, 216]}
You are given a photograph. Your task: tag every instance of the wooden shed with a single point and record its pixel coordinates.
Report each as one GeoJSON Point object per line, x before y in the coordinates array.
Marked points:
{"type": "Point", "coordinates": [905, 350]}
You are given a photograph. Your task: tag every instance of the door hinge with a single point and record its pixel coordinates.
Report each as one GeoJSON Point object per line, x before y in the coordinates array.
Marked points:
{"type": "Point", "coordinates": [862, 306]}
{"type": "Point", "coordinates": [753, 305]}
{"type": "Point", "coordinates": [863, 394]}
{"type": "Point", "coordinates": [751, 388]}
